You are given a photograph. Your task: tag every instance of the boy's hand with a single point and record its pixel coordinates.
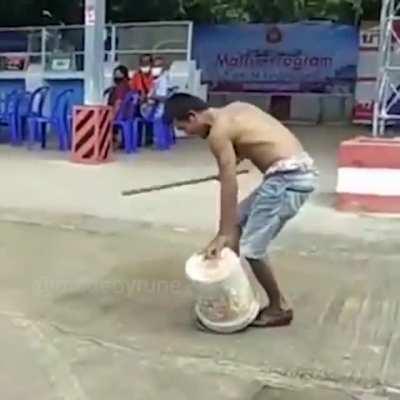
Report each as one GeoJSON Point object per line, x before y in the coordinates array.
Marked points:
{"type": "Point", "coordinates": [213, 250]}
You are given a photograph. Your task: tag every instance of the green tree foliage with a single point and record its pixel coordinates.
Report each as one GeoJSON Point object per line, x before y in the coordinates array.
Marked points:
{"type": "Point", "coordinates": [347, 11]}
{"type": "Point", "coordinates": [29, 12]}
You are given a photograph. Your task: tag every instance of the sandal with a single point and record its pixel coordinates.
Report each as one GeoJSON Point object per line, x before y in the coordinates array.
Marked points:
{"type": "Point", "coordinates": [283, 318]}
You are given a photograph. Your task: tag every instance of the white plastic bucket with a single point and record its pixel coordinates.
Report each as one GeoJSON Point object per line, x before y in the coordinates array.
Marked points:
{"type": "Point", "coordinates": [225, 299]}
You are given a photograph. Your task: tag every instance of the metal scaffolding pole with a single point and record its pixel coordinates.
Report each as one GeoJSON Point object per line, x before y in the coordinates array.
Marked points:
{"type": "Point", "coordinates": [95, 15]}
{"type": "Point", "coordinates": [388, 79]}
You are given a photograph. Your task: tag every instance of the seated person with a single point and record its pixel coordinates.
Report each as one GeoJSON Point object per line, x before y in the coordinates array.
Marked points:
{"type": "Point", "coordinates": [120, 88]}
{"type": "Point", "coordinates": [153, 107]}
{"type": "Point", "coordinates": [118, 93]}
{"type": "Point", "coordinates": [142, 81]}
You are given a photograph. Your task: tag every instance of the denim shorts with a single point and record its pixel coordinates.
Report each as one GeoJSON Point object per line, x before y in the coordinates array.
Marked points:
{"type": "Point", "coordinates": [265, 212]}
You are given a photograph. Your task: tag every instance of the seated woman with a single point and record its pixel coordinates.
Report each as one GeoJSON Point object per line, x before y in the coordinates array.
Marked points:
{"type": "Point", "coordinates": [121, 87]}
{"type": "Point", "coordinates": [118, 93]}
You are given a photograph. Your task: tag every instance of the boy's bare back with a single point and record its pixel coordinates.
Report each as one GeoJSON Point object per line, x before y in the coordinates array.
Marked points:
{"type": "Point", "coordinates": [254, 134]}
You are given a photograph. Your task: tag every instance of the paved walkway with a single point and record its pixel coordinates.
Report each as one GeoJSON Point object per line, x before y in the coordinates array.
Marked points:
{"type": "Point", "coordinates": [47, 182]}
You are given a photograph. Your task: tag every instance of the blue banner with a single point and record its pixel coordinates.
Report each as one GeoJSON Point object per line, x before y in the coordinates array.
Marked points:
{"type": "Point", "coordinates": [301, 57]}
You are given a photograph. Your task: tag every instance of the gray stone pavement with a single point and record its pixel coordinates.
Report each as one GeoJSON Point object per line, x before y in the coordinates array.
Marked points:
{"type": "Point", "coordinates": [97, 307]}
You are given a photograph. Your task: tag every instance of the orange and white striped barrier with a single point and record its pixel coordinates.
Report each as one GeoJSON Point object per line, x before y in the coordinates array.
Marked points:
{"type": "Point", "coordinates": [369, 175]}
{"type": "Point", "coordinates": [92, 134]}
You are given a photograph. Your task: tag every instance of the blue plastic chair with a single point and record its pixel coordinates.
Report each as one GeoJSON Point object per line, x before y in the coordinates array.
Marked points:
{"type": "Point", "coordinates": [9, 115]}
{"type": "Point", "coordinates": [33, 106]}
{"type": "Point", "coordinates": [37, 102]}
{"type": "Point", "coordinates": [5, 109]}
{"type": "Point", "coordinates": [163, 132]}
{"type": "Point", "coordinates": [167, 125]}
{"type": "Point", "coordinates": [3, 97]}
{"type": "Point", "coordinates": [126, 123]}
{"type": "Point", "coordinates": [58, 120]}
{"type": "Point", "coordinates": [5, 112]}
{"type": "Point", "coordinates": [164, 135]}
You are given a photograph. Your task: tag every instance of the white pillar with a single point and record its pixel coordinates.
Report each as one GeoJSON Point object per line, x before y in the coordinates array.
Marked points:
{"type": "Point", "coordinates": [95, 15]}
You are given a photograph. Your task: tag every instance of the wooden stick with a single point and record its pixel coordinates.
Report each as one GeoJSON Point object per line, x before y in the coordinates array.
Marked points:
{"type": "Point", "coordinates": [176, 184]}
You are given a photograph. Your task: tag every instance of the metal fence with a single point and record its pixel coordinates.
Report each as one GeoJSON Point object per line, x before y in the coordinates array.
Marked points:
{"type": "Point", "coordinates": [58, 48]}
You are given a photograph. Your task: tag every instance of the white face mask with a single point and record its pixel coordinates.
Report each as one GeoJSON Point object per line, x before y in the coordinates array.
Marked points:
{"type": "Point", "coordinates": [145, 70]}
{"type": "Point", "coordinates": [156, 71]}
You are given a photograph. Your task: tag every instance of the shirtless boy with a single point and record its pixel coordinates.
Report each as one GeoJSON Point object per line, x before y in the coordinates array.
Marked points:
{"type": "Point", "coordinates": [242, 131]}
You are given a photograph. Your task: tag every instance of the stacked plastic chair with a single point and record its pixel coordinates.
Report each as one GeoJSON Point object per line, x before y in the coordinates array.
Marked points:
{"type": "Point", "coordinates": [30, 107]}
{"type": "Point", "coordinates": [5, 110]}
{"type": "Point", "coordinates": [58, 120]}
{"type": "Point", "coordinates": [9, 115]}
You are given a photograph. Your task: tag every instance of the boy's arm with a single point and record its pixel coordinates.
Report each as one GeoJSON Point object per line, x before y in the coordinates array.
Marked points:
{"type": "Point", "coordinates": [222, 148]}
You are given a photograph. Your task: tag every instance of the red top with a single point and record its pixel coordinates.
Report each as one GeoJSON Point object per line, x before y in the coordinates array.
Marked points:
{"type": "Point", "coordinates": [142, 83]}
{"type": "Point", "coordinates": [119, 92]}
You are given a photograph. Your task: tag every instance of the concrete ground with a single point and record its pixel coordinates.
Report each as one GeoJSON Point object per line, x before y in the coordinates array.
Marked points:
{"type": "Point", "coordinates": [94, 304]}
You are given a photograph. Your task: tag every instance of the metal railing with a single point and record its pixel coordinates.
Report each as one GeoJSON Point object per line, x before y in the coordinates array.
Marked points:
{"type": "Point", "coordinates": [62, 47]}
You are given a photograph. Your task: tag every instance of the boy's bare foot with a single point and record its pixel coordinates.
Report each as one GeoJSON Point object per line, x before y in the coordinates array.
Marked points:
{"type": "Point", "coordinates": [273, 318]}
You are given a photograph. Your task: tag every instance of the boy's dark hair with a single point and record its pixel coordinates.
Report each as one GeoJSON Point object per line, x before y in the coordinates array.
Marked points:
{"type": "Point", "coordinates": [179, 106]}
